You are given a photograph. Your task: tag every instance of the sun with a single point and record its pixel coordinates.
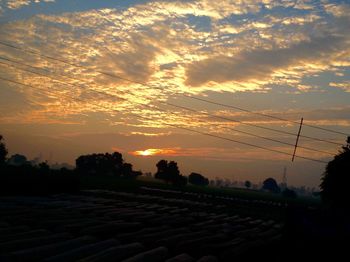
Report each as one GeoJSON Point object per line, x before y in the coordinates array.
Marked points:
{"type": "Point", "coordinates": [147, 152]}
{"type": "Point", "coordinates": [154, 151]}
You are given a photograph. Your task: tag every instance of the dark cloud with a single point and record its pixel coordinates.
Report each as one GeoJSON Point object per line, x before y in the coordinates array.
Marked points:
{"type": "Point", "coordinates": [137, 62]}
{"type": "Point", "coordinates": [260, 64]}
{"type": "Point", "coordinates": [168, 66]}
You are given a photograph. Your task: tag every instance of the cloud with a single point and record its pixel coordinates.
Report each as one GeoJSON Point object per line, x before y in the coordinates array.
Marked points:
{"type": "Point", "coordinates": [342, 85]}
{"type": "Point", "coordinates": [261, 64]}
{"type": "Point", "coordinates": [136, 62]}
{"type": "Point", "coordinates": [338, 10]}
{"type": "Point", "coordinates": [16, 4]}
{"type": "Point", "coordinates": [149, 134]}
{"type": "Point", "coordinates": [155, 43]}
{"type": "Point", "coordinates": [156, 151]}
{"type": "Point", "coordinates": [237, 154]}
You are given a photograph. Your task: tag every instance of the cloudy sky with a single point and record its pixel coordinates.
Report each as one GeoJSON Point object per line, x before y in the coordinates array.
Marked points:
{"type": "Point", "coordinates": [204, 83]}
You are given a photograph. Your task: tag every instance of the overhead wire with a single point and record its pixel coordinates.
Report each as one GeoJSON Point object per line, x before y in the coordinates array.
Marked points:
{"type": "Point", "coordinates": [177, 126]}
{"type": "Point", "coordinates": [264, 115]}
{"type": "Point", "coordinates": [196, 98]}
{"type": "Point", "coordinates": [170, 104]}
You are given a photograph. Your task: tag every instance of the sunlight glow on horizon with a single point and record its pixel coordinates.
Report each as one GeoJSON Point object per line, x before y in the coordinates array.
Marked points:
{"type": "Point", "coordinates": [153, 152]}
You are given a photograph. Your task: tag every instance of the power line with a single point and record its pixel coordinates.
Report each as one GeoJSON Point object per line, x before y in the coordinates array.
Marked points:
{"type": "Point", "coordinates": [174, 105]}
{"type": "Point", "coordinates": [70, 63]}
{"type": "Point", "coordinates": [251, 134]}
{"type": "Point", "coordinates": [270, 129]}
{"type": "Point", "coordinates": [191, 97]}
{"type": "Point", "coordinates": [177, 126]}
{"type": "Point", "coordinates": [220, 117]}
{"type": "Point", "coordinates": [53, 78]}
{"type": "Point", "coordinates": [262, 114]}
{"type": "Point", "coordinates": [144, 84]}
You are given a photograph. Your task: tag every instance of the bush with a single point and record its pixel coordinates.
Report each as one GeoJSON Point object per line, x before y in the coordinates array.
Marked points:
{"type": "Point", "coordinates": [30, 180]}
{"type": "Point", "coordinates": [198, 179]}
{"type": "Point", "coordinates": [336, 178]}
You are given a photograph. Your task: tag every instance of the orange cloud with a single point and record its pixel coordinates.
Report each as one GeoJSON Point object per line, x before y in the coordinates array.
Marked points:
{"type": "Point", "coordinates": [155, 151]}
{"type": "Point", "coordinates": [16, 4]}
{"type": "Point", "coordinates": [236, 154]}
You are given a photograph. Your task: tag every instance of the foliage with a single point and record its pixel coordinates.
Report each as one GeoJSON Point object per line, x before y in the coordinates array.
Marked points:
{"type": "Point", "coordinates": [289, 193]}
{"type": "Point", "coordinates": [248, 184]}
{"type": "Point", "coordinates": [179, 180]}
{"type": "Point", "coordinates": [336, 178]}
{"type": "Point", "coordinates": [198, 179]}
{"type": "Point", "coordinates": [162, 168]}
{"type": "Point", "coordinates": [105, 164]}
{"type": "Point", "coordinates": [36, 180]}
{"type": "Point", "coordinates": [3, 150]}
{"type": "Point", "coordinates": [170, 173]}
{"type": "Point", "coordinates": [271, 185]}
{"type": "Point", "coordinates": [17, 160]}
{"type": "Point", "coordinates": [19, 176]}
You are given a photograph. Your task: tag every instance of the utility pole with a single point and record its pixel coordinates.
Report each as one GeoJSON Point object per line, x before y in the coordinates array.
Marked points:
{"type": "Point", "coordinates": [296, 142]}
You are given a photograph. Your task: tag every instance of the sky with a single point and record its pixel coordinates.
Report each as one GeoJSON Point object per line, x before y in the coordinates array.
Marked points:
{"type": "Point", "coordinates": [204, 83]}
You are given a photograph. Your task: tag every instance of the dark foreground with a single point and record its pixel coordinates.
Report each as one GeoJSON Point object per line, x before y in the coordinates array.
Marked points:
{"type": "Point", "coordinates": [116, 226]}
{"type": "Point", "coordinates": [153, 225]}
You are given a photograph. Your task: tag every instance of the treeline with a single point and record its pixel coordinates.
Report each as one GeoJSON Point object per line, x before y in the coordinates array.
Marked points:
{"type": "Point", "coordinates": [169, 172]}
{"type": "Point", "coordinates": [20, 176]}
{"type": "Point", "coordinates": [36, 180]}
{"type": "Point", "coordinates": [105, 165]}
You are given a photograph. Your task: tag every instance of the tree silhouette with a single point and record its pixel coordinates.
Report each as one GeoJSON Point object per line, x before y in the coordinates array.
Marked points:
{"type": "Point", "coordinates": [162, 170]}
{"type": "Point", "coordinates": [247, 184]}
{"type": "Point", "coordinates": [289, 193]}
{"type": "Point", "coordinates": [104, 164]}
{"type": "Point", "coordinates": [198, 179]}
{"type": "Point", "coordinates": [336, 178]}
{"type": "Point", "coordinates": [17, 160]}
{"type": "Point", "coordinates": [169, 172]}
{"type": "Point", "coordinates": [180, 180]}
{"type": "Point", "coordinates": [3, 150]}
{"type": "Point", "coordinates": [44, 167]}
{"type": "Point", "coordinates": [271, 185]}
{"type": "Point", "coordinates": [173, 169]}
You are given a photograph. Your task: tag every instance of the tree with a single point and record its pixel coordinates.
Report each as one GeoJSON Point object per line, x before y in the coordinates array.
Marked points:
{"type": "Point", "coordinates": [173, 169]}
{"type": "Point", "coordinates": [162, 168]}
{"type": "Point", "coordinates": [180, 180]}
{"type": "Point", "coordinates": [128, 172]}
{"type": "Point", "coordinates": [17, 160]}
{"type": "Point", "coordinates": [103, 164]}
{"type": "Point", "coordinates": [198, 179]}
{"type": "Point", "coordinates": [127, 169]}
{"type": "Point", "coordinates": [44, 166]}
{"type": "Point", "coordinates": [169, 172]}
{"type": "Point", "coordinates": [289, 193]}
{"type": "Point", "coordinates": [3, 151]}
{"type": "Point", "coordinates": [247, 184]}
{"type": "Point", "coordinates": [271, 185]}
{"type": "Point", "coordinates": [336, 178]}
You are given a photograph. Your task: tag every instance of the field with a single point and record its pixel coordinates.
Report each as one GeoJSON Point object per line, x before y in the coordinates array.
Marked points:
{"type": "Point", "coordinates": [112, 183]}
{"type": "Point", "coordinates": [144, 220]}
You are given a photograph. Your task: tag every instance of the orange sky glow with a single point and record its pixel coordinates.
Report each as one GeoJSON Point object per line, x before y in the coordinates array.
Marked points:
{"type": "Point", "coordinates": [209, 84]}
